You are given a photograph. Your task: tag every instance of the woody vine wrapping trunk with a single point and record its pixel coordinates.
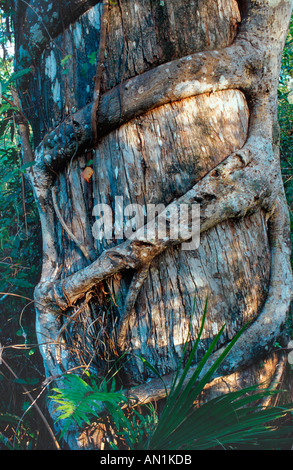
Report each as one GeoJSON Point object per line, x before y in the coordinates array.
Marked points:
{"type": "Point", "coordinates": [167, 102]}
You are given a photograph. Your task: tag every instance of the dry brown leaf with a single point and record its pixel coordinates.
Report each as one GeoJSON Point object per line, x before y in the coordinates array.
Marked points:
{"type": "Point", "coordinates": [87, 173]}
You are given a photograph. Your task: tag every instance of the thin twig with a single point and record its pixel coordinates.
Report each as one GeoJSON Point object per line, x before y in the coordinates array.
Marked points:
{"type": "Point", "coordinates": [67, 230]}
{"type": "Point", "coordinates": [124, 58]}
{"type": "Point", "coordinates": [24, 131]}
{"type": "Point", "coordinates": [41, 19]}
{"type": "Point", "coordinates": [100, 66]}
{"type": "Point", "coordinates": [133, 292]}
{"type": "Point", "coordinates": [73, 316]}
{"type": "Point", "coordinates": [33, 401]}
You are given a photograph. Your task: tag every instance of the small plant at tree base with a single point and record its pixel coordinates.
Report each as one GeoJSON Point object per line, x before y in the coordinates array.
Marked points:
{"type": "Point", "coordinates": [81, 400]}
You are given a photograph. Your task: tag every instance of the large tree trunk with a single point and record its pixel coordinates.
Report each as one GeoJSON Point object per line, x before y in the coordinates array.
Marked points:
{"type": "Point", "coordinates": [179, 107]}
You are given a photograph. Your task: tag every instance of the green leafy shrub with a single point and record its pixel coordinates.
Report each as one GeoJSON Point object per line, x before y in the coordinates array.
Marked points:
{"type": "Point", "coordinates": [81, 400]}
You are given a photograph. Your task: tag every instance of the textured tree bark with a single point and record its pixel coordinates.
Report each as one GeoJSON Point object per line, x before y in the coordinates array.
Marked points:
{"type": "Point", "coordinates": [183, 100]}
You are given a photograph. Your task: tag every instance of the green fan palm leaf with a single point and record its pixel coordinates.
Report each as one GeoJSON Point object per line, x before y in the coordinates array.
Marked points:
{"type": "Point", "coordinates": [226, 420]}
{"type": "Point", "coordinates": [232, 420]}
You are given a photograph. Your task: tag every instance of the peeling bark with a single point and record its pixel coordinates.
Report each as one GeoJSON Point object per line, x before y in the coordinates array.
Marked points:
{"type": "Point", "coordinates": [187, 113]}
